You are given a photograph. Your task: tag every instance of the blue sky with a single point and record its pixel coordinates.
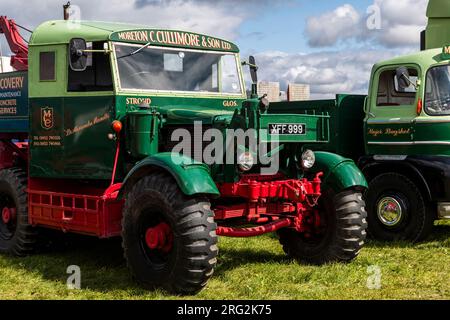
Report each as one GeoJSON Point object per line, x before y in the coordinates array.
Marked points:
{"type": "Point", "coordinates": [324, 43]}
{"type": "Point", "coordinates": [282, 27]}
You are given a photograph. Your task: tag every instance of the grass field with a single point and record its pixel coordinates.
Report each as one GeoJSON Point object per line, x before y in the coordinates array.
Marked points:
{"type": "Point", "coordinates": [253, 268]}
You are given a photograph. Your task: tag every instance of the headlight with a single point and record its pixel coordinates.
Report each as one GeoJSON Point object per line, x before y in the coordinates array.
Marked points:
{"type": "Point", "coordinates": [246, 161]}
{"type": "Point", "coordinates": [308, 159]}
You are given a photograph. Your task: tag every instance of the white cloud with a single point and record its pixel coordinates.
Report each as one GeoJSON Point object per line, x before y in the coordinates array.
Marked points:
{"type": "Point", "coordinates": [328, 73]}
{"type": "Point", "coordinates": [401, 35]}
{"type": "Point", "coordinates": [403, 12]}
{"type": "Point", "coordinates": [193, 15]}
{"type": "Point", "coordinates": [327, 29]}
{"type": "Point", "coordinates": [401, 23]}
{"type": "Point", "coordinates": [197, 16]}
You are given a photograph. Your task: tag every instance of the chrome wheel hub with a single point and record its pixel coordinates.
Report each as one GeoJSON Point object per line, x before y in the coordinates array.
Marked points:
{"type": "Point", "coordinates": [389, 211]}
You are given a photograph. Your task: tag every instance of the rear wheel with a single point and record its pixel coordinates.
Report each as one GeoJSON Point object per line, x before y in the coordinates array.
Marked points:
{"type": "Point", "coordinates": [169, 240]}
{"type": "Point", "coordinates": [17, 236]}
{"type": "Point", "coordinates": [397, 209]}
{"type": "Point", "coordinates": [337, 236]}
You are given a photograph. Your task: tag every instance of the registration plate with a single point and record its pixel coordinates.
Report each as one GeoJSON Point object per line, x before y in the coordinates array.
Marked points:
{"type": "Point", "coordinates": [287, 128]}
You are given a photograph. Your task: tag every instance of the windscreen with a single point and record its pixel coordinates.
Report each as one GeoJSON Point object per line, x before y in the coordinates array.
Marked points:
{"type": "Point", "coordinates": [151, 68]}
{"type": "Point", "coordinates": [437, 91]}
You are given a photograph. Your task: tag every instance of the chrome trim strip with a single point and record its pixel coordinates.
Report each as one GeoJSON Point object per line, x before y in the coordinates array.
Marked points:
{"type": "Point", "coordinates": [433, 121]}
{"type": "Point", "coordinates": [410, 143]}
{"type": "Point", "coordinates": [390, 157]}
{"type": "Point", "coordinates": [388, 122]}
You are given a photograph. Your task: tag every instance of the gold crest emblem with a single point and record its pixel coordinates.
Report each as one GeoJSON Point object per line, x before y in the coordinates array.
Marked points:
{"type": "Point", "coordinates": [47, 118]}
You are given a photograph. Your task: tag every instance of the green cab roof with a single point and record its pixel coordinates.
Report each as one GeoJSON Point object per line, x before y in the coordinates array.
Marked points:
{"type": "Point", "coordinates": [424, 59]}
{"type": "Point", "coordinates": [61, 32]}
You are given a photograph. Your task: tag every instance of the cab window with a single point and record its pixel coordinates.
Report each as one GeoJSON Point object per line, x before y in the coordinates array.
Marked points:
{"type": "Point", "coordinates": [390, 93]}
{"type": "Point", "coordinates": [437, 93]}
{"type": "Point", "coordinates": [96, 77]}
{"type": "Point", "coordinates": [47, 70]}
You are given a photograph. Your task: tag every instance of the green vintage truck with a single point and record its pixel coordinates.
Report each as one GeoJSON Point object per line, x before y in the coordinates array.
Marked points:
{"type": "Point", "coordinates": [399, 134]}
{"type": "Point", "coordinates": [90, 134]}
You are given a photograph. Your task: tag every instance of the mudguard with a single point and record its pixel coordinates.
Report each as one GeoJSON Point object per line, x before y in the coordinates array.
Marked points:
{"type": "Point", "coordinates": [339, 173]}
{"type": "Point", "coordinates": [191, 176]}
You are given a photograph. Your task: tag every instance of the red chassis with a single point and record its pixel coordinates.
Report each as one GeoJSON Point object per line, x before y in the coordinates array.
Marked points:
{"type": "Point", "coordinates": [269, 202]}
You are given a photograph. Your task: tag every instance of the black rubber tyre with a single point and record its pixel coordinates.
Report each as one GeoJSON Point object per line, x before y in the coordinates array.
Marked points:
{"type": "Point", "coordinates": [17, 236]}
{"type": "Point", "coordinates": [187, 267]}
{"type": "Point", "coordinates": [416, 219]}
{"type": "Point", "coordinates": [343, 231]}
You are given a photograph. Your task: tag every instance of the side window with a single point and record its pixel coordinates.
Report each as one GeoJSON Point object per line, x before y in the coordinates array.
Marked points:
{"type": "Point", "coordinates": [96, 77]}
{"type": "Point", "coordinates": [389, 92]}
{"type": "Point", "coordinates": [47, 70]}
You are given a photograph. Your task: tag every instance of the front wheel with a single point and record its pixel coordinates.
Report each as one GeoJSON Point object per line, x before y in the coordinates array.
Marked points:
{"type": "Point", "coordinates": [337, 236]}
{"type": "Point", "coordinates": [169, 240]}
{"type": "Point", "coordinates": [397, 209]}
{"type": "Point", "coordinates": [17, 236]}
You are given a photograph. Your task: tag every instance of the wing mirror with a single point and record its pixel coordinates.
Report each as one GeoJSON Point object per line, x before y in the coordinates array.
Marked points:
{"type": "Point", "coordinates": [77, 54]}
{"type": "Point", "coordinates": [403, 78]}
{"type": "Point", "coordinates": [253, 68]}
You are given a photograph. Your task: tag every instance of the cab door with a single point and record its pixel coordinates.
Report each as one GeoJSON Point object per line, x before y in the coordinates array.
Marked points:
{"type": "Point", "coordinates": [89, 109]}
{"type": "Point", "coordinates": [432, 126]}
{"type": "Point", "coordinates": [391, 113]}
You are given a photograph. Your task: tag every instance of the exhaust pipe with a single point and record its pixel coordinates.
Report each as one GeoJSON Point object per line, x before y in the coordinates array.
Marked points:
{"type": "Point", "coordinates": [66, 11]}
{"type": "Point", "coordinates": [423, 40]}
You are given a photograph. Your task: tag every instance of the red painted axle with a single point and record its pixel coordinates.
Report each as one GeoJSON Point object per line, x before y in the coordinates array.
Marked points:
{"type": "Point", "coordinates": [255, 231]}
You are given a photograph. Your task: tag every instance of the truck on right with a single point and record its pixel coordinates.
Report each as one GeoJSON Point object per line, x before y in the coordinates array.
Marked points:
{"type": "Point", "coordinates": [399, 134]}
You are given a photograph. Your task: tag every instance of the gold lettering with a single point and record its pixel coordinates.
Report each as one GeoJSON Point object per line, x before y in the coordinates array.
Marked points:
{"type": "Point", "coordinates": [447, 50]}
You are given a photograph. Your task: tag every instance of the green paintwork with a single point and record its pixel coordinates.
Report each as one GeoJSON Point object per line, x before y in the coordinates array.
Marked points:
{"type": "Point", "coordinates": [77, 146]}
{"type": "Point", "coordinates": [192, 177]}
{"type": "Point", "coordinates": [345, 118]}
{"type": "Point", "coordinates": [316, 128]}
{"type": "Point", "coordinates": [399, 130]}
{"type": "Point", "coordinates": [395, 129]}
{"type": "Point", "coordinates": [382, 130]}
{"type": "Point", "coordinates": [438, 28]}
{"type": "Point", "coordinates": [167, 38]}
{"type": "Point", "coordinates": [78, 142]}
{"type": "Point", "coordinates": [143, 126]}
{"type": "Point", "coordinates": [61, 32]}
{"type": "Point", "coordinates": [339, 173]}
{"type": "Point", "coordinates": [178, 110]}
{"type": "Point", "coordinates": [14, 102]}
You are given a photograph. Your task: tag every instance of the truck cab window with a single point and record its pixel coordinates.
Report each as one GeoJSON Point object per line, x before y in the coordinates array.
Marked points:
{"type": "Point", "coordinates": [96, 77]}
{"type": "Point", "coordinates": [437, 94]}
{"type": "Point", "coordinates": [389, 92]}
{"type": "Point", "coordinates": [47, 66]}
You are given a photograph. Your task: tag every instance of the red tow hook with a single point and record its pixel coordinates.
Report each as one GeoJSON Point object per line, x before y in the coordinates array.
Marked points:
{"type": "Point", "coordinates": [317, 181]}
